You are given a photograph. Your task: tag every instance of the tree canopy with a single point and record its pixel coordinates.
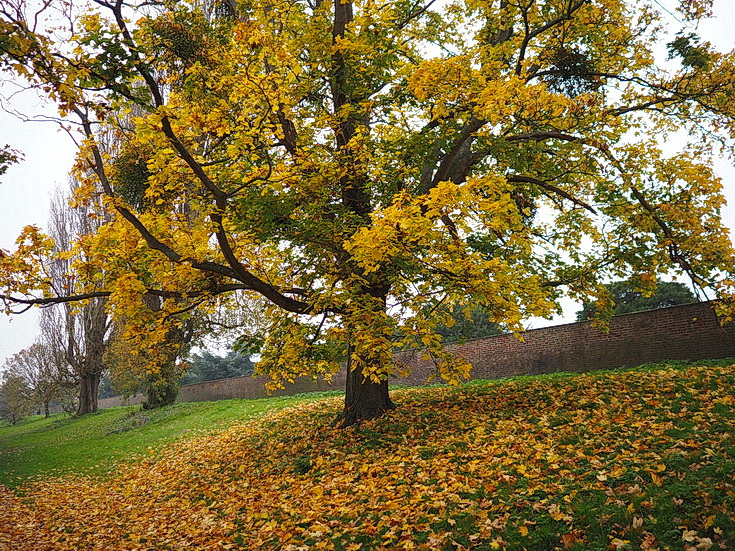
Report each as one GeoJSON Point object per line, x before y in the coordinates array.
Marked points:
{"type": "Point", "coordinates": [206, 366]}
{"type": "Point", "coordinates": [43, 375]}
{"type": "Point", "coordinates": [16, 398]}
{"type": "Point", "coordinates": [628, 299]}
{"type": "Point", "coordinates": [367, 168]}
{"type": "Point", "coordinates": [470, 323]}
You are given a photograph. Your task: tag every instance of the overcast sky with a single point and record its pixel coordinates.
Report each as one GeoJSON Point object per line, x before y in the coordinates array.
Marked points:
{"type": "Point", "coordinates": [26, 189]}
{"type": "Point", "coordinates": [25, 192]}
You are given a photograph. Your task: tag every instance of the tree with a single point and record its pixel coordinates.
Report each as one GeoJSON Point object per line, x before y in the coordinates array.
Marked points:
{"type": "Point", "coordinates": [469, 323]}
{"type": "Point", "coordinates": [43, 372]}
{"type": "Point", "coordinates": [367, 168]}
{"type": "Point", "coordinates": [107, 389]}
{"type": "Point", "coordinates": [628, 299]}
{"type": "Point", "coordinates": [126, 368]}
{"type": "Point", "coordinates": [79, 337]}
{"type": "Point", "coordinates": [16, 398]}
{"type": "Point", "coordinates": [77, 332]}
{"type": "Point", "coordinates": [206, 366]}
{"type": "Point", "coordinates": [136, 366]}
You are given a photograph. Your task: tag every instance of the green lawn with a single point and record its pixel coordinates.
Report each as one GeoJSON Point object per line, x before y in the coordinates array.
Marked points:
{"type": "Point", "coordinates": [94, 443]}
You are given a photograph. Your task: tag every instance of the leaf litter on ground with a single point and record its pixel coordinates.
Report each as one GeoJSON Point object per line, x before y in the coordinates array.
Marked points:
{"type": "Point", "coordinates": [633, 459]}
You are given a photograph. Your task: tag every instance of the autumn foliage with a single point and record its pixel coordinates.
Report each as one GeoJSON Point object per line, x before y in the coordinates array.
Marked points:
{"type": "Point", "coordinates": [630, 460]}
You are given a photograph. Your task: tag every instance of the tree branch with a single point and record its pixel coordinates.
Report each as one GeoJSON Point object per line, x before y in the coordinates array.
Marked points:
{"type": "Point", "coordinates": [235, 269]}
{"type": "Point", "coordinates": [530, 35]}
{"type": "Point", "coordinates": [541, 136]}
{"type": "Point", "coordinates": [456, 163]}
{"type": "Point", "coordinates": [552, 188]}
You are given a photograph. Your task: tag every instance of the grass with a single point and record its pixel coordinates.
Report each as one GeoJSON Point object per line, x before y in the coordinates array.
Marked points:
{"type": "Point", "coordinates": [95, 443]}
{"type": "Point", "coordinates": [630, 459]}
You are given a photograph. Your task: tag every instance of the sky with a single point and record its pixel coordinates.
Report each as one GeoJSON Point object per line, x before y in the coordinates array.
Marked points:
{"type": "Point", "coordinates": [26, 188]}
{"type": "Point", "coordinates": [25, 194]}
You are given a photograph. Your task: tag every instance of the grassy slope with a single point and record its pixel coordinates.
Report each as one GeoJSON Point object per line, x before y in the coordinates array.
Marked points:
{"type": "Point", "coordinates": [94, 443]}
{"type": "Point", "coordinates": [639, 459]}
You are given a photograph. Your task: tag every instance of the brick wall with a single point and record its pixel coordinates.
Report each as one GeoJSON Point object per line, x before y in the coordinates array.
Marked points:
{"type": "Point", "coordinates": [235, 387]}
{"type": "Point", "coordinates": [687, 332]}
{"type": "Point", "coordinates": [248, 387]}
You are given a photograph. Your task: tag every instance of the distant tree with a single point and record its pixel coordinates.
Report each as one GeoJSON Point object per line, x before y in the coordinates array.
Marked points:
{"type": "Point", "coordinates": [131, 364]}
{"type": "Point", "coordinates": [209, 367]}
{"type": "Point", "coordinates": [16, 398]}
{"type": "Point", "coordinates": [126, 368]}
{"type": "Point", "coordinates": [107, 389]}
{"type": "Point", "coordinates": [472, 322]}
{"type": "Point", "coordinates": [3, 405]}
{"type": "Point", "coordinates": [44, 372]}
{"type": "Point", "coordinates": [627, 299]}
{"type": "Point", "coordinates": [162, 384]}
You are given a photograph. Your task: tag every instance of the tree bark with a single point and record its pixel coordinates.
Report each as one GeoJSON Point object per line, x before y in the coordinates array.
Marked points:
{"type": "Point", "coordinates": [46, 412]}
{"type": "Point", "coordinates": [89, 384]}
{"type": "Point", "coordinates": [364, 398]}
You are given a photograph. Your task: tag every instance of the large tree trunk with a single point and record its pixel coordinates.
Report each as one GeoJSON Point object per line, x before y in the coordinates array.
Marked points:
{"type": "Point", "coordinates": [88, 361]}
{"type": "Point", "coordinates": [364, 398]}
{"type": "Point", "coordinates": [89, 385]}
{"type": "Point", "coordinates": [46, 412]}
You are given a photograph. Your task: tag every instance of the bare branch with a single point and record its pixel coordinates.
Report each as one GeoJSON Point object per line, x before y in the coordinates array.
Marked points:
{"type": "Point", "coordinates": [541, 136]}
{"type": "Point", "coordinates": [552, 188]}
{"type": "Point", "coordinates": [49, 301]}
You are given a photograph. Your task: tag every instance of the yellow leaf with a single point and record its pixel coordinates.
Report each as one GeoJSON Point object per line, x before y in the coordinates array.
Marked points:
{"type": "Point", "coordinates": [689, 535]}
